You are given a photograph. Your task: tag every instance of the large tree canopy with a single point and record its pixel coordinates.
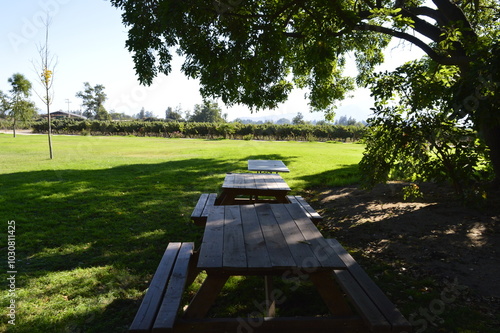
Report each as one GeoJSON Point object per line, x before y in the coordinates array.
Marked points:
{"type": "Point", "coordinates": [255, 52]}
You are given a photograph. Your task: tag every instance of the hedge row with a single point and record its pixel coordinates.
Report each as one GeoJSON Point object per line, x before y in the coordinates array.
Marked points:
{"type": "Point", "coordinates": [204, 130]}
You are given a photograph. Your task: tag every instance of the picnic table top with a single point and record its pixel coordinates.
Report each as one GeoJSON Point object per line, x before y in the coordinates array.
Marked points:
{"type": "Point", "coordinates": [263, 238]}
{"type": "Point", "coordinates": [255, 181]}
{"type": "Point", "coordinates": [267, 166]}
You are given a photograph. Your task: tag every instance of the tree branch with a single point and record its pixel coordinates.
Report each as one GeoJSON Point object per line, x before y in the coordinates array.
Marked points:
{"type": "Point", "coordinates": [429, 12]}
{"type": "Point", "coordinates": [444, 60]}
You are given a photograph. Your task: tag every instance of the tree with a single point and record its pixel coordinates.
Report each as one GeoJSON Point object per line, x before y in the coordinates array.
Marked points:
{"type": "Point", "coordinates": [245, 51]}
{"type": "Point", "coordinates": [298, 119]}
{"type": "Point", "coordinates": [143, 114]}
{"type": "Point", "coordinates": [120, 116]}
{"type": "Point", "coordinates": [21, 109]}
{"type": "Point", "coordinates": [208, 112]}
{"type": "Point", "coordinates": [45, 70]}
{"type": "Point", "coordinates": [343, 120]}
{"type": "Point", "coordinates": [93, 100]}
{"type": "Point", "coordinates": [282, 121]}
{"type": "Point", "coordinates": [171, 115]}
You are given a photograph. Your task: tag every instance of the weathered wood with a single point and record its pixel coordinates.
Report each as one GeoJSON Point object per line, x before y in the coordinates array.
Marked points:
{"type": "Point", "coordinates": [255, 244]}
{"type": "Point", "coordinates": [330, 294]}
{"type": "Point", "coordinates": [310, 212]}
{"type": "Point", "coordinates": [299, 247]}
{"type": "Point", "coordinates": [206, 295]}
{"type": "Point", "coordinates": [203, 207]}
{"type": "Point", "coordinates": [167, 314]}
{"type": "Point", "coordinates": [267, 166]}
{"type": "Point", "coordinates": [358, 282]}
{"type": "Point", "coordinates": [211, 250]}
{"type": "Point", "coordinates": [234, 243]}
{"type": "Point", "coordinates": [146, 315]}
{"type": "Point", "coordinates": [269, 294]}
{"type": "Point", "coordinates": [278, 250]}
{"type": "Point", "coordinates": [161, 302]}
{"type": "Point", "coordinates": [200, 205]}
{"type": "Point", "coordinates": [322, 251]}
{"type": "Point", "coordinates": [363, 304]}
{"type": "Point", "coordinates": [252, 185]}
{"type": "Point", "coordinates": [279, 239]}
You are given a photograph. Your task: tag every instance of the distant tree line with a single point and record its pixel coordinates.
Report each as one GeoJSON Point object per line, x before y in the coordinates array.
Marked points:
{"type": "Point", "coordinates": [208, 130]}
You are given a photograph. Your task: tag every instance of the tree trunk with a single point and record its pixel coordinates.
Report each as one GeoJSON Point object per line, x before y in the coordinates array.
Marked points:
{"type": "Point", "coordinates": [492, 138]}
{"type": "Point", "coordinates": [49, 134]}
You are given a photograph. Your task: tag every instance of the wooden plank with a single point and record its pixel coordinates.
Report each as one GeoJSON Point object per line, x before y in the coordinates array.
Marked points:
{"type": "Point", "coordinates": [249, 181]}
{"type": "Point", "coordinates": [228, 181]}
{"type": "Point", "coordinates": [330, 293]}
{"type": "Point", "coordinates": [279, 252]}
{"type": "Point", "coordinates": [255, 244]}
{"type": "Point", "coordinates": [363, 304]}
{"type": "Point", "coordinates": [321, 249]}
{"type": "Point", "coordinates": [275, 182]}
{"type": "Point", "coordinates": [269, 294]}
{"type": "Point", "coordinates": [267, 166]}
{"type": "Point", "coordinates": [200, 206]}
{"type": "Point", "coordinates": [209, 204]}
{"type": "Point", "coordinates": [311, 213]}
{"type": "Point", "coordinates": [144, 319]}
{"type": "Point", "coordinates": [299, 247]}
{"type": "Point", "coordinates": [171, 301]}
{"type": "Point", "coordinates": [213, 240]}
{"type": "Point", "coordinates": [206, 295]}
{"type": "Point", "coordinates": [234, 242]}
{"type": "Point", "coordinates": [378, 297]}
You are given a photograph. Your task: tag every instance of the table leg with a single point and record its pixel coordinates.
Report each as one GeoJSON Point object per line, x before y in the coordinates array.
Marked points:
{"type": "Point", "coordinates": [281, 198]}
{"type": "Point", "coordinates": [206, 295]}
{"type": "Point", "coordinates": [270, 301]}
{"type": "Point", "coordinates": [331, 293]}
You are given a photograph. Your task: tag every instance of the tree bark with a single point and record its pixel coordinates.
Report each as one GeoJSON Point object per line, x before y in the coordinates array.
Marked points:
{"type": "Point", "coordinates": [492, 139]}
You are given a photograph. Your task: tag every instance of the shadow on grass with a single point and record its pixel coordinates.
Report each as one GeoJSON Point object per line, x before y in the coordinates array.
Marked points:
{"type": "Point", "coordinates": [344, 175]}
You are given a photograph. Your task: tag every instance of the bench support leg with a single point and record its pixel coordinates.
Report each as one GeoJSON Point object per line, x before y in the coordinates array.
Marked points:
{"type": "Point", "coordinates": [331, 294]}
{"type": "Point", "coordinates": [270, 301]}
{"type": "Point", "coordinates": [206, 295]}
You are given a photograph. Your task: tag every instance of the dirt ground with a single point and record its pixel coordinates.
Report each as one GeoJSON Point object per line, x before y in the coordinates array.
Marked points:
{"type": "Point", "coordinates": [437, 236]}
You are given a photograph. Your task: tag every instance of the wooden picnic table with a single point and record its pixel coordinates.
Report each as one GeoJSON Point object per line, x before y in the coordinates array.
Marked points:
{"type": "Point", "coordinates": [253, 185]}
{"type": "Point", "coordinates": [267, 240]}
{"type": "Point", "coordinates": [267, 166]}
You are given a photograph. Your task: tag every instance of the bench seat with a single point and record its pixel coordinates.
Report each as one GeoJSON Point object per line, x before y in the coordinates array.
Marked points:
{"type": "Point", "coordinates": [310, 212]}
{"type": "Point", "coordinates": [207, 201]}
{"type": "Point", "coordinates": [202, 208]}
{"type": "Point", "coordinates": [159, 308]}
{"type": "Point", "coordinates": [376, 310]}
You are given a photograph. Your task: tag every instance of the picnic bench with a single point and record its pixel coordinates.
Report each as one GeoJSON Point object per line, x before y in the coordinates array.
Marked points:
{"type": "Point", "coordinates": [159, 307]}
{"type": "Point", "coordinates": [207, 201]}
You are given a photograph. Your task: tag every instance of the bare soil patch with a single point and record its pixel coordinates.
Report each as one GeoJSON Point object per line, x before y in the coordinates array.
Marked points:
{"type": "Point", "coordinates": [438, 236]}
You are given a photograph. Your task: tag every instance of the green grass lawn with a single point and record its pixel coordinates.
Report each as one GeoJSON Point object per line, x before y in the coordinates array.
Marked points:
{"type": "Point", "coordinates": [92, 224]}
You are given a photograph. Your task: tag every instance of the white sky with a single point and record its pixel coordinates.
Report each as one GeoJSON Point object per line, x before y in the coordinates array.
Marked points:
{"type": "Point", "coordinates": [88, 39]}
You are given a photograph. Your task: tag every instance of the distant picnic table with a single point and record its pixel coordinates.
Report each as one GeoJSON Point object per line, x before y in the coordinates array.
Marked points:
{"type": "Point", "coordinates": [252, 185]}
{"type": "Point", "coordinates": [267, 166]}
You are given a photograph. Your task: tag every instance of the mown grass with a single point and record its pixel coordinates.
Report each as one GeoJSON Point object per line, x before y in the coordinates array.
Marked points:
{"type": "Point", "coordinates": [92, 224]}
